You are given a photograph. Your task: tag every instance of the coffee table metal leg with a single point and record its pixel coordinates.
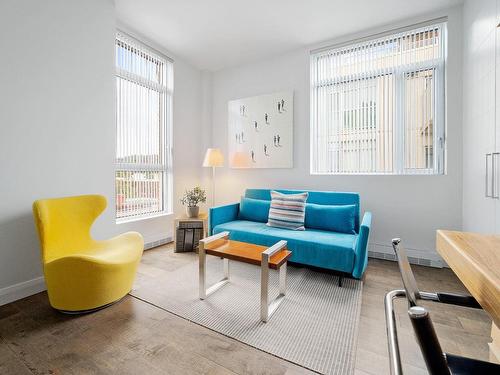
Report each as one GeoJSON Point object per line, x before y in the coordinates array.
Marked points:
{"type": "Point", "coordinates": [204, 292]}
{"type": "Point", "coordinates": [283, 278]}
{"type": "Point", "coordinates": [264, 288]}
{"type": "Point", "coordinates": [202, 276]}
{"type": "Point", "coordinates": [266, 308]}
{"type": "Point", "coordinates": [220, 283]}
{"type": "Point", "coordinates": [226, 268]}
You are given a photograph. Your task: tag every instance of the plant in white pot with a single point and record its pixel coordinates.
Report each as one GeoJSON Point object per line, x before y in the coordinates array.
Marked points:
{"type": "Point", "coordinates": [191, 199]}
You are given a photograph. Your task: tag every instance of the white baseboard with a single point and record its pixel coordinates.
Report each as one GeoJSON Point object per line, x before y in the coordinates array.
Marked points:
{"type": "Point", "coordinates": [21, 290]}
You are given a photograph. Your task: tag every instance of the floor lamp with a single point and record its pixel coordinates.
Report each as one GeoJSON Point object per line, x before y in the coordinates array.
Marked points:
{"type": "Point", "coordinates": [213, 158]}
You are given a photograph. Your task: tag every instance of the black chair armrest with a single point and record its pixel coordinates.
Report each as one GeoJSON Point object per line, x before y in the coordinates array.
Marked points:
{"type": "Point", "coordinates": [458, 299]}
{"type": "Point", "coordinates": [428, 341]}
{"type": "Point", "coordinates": [461, 365]}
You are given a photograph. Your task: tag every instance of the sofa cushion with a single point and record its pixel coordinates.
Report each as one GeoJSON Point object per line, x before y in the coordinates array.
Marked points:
{"type": "Point", "coordinates": [254, 209]}
{"type": "Point", "coordinates": [287, 210]}
{"type": "Point", "coordinates": [316, 197]}
{"type": "Point", "coordinates": [312, 246]}
{"type": "Point", "coordinates": [329, 217]}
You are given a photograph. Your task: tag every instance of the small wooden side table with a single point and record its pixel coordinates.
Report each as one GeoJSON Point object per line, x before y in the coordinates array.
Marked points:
{"type": "Point", "coordinates": [202, 217]}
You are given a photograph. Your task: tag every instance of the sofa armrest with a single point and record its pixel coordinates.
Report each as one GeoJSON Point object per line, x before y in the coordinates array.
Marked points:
{"type": "Point", "coordinates": [222, 214]}
{"type": "Point", "coordinates": [361, 246]}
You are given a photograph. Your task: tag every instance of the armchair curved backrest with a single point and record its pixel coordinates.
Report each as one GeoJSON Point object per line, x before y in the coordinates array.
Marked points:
{"type": "Point", "coordinates": [63, 224]}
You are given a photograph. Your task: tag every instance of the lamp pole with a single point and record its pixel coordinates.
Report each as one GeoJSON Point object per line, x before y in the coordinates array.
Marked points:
{"type": "Point", "coordinates": [213, 186]}
{"type": "Point", "coordinates": [213, 158]}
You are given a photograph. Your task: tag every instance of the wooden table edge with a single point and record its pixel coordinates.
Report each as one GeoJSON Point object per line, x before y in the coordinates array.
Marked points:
{"type": "Point", "coordinates": [257, 262]}
{"type": "Point", "coordinates": [441, 234]}
{"type": "Point", "coordinates": [444, 236]}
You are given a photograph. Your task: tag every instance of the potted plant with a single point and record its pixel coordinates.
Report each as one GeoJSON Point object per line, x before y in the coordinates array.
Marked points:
{"type": "Point", "coordinates": [191, 199]}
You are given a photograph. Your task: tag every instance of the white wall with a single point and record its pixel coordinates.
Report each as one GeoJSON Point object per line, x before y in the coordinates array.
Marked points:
{"type": "Point", "coordinates": [480, 21]}
{"type": "Point", "coordinates": [411, 207]}
{"type": "Point", "coordinates": [57, 125]}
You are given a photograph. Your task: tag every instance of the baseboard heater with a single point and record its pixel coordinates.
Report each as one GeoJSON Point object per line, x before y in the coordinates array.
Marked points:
{"type": "Point", "coordinates": [413, 260]}
{"type": "Point", "coordinates": [163, 241]}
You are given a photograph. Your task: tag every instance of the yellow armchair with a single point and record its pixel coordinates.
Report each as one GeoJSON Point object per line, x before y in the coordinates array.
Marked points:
{"type": "Point", "coordinates": [81, 273]}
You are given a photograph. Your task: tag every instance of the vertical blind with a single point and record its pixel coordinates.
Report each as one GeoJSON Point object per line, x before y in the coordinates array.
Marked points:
{"type": "Point", "coordinates": [377, 106]}
{"type": "Point", "coordinates": [144, 87]}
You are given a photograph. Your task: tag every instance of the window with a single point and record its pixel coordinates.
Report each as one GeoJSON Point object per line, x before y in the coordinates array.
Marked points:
{"type": "Point", "coordinates": [144, 87]}
{"type": "Point", "coordinates": [377, 106]}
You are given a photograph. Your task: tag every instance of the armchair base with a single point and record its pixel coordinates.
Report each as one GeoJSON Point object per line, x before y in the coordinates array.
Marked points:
{"type": "Point", "coordinates": [89, 311]}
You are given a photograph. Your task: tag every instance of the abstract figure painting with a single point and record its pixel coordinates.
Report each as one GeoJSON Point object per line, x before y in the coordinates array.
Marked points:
{"type": "Point", "coordinates": [260, 131]}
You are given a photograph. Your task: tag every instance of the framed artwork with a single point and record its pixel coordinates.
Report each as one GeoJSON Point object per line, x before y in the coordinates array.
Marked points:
{"type": "Point", "coordinates": [260, 131]}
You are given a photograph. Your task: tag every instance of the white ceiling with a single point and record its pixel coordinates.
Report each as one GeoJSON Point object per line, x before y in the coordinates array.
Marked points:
{"type": "Point", "coordinates": [217, 34]}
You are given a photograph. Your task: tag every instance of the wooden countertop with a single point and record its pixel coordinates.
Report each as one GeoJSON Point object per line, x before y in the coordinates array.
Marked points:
{"type": "Point", "coordinates": [475, 259]}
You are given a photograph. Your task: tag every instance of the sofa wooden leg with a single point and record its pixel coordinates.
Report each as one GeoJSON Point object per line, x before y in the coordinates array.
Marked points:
{"type": "Point", "coordinates": [340, 281]}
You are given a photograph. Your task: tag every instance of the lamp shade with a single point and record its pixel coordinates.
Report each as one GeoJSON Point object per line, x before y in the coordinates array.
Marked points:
{"type": "Point", "coordinates": [213, 158]}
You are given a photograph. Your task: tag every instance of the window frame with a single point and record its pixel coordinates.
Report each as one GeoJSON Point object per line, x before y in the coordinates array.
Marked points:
{"type": "Point", "coordinates": [165, 92]}
{"type": "Point", "coordinates": [439, 102]}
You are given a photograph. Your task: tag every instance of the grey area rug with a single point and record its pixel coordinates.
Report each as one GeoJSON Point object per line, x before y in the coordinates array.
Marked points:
{"type": "Point", "coordinates": [315, 327]}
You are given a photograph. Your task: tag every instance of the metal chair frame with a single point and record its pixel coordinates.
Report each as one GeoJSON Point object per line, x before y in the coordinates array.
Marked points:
{"type": "Point", "coordinates": [419, 316]}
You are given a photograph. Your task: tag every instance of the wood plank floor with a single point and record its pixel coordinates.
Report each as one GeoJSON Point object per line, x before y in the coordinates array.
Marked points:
{"type": "Point", "coordinates": [134, 337]}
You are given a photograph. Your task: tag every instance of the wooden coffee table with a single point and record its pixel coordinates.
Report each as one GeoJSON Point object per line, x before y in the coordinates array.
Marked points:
{"type": "Point", "coordinates": [274, 257]}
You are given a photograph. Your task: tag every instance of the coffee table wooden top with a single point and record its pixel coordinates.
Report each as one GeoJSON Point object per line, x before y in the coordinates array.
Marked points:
{"type": "Point", "coordinates": [245, 252]}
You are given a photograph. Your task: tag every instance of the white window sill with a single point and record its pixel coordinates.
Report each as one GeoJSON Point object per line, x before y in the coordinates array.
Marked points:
{"type": "Point", "coordinates": [378, 174]}
{"type": "Point", "coordinates": [142, 218]}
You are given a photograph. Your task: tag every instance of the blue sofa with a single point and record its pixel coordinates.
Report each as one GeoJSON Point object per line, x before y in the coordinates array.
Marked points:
{"type": "Point", "coordinates": [344, 252]}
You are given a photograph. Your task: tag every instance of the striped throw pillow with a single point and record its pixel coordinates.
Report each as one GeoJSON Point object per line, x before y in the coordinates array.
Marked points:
{"type": "Point", "coordinates": [287, 210]}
